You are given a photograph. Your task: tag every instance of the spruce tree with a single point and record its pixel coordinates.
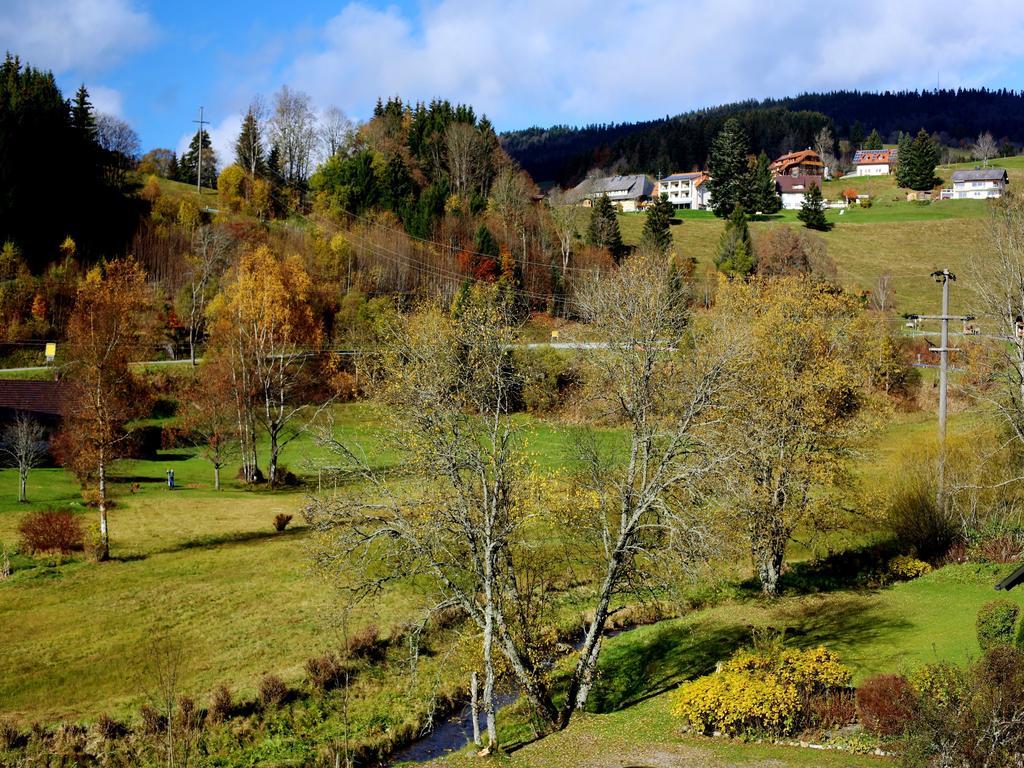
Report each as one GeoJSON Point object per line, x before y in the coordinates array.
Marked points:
{"type": "Point", "coordinates": [812, 212]}
{"type": "Point", "coordinates": [83, 120]}
{"type": "Point", "coordinates": [656, 232]}
{"type": "Point", "coordinates": [874, 141]}
{"type": "Point", "coordinates": [173, 169]}
{"type": "Point", "coordinates": [924, 156]}
{"type": "Point", "coordinates": [190, 161]}
{"type": "Point", "coordinates": [904, 159]}
{"type": "Point", "coordinates": [857, 135]}
{"type": "Point", "coordinates": [761, 195]}
{"type": "Point", "coordinates": [603, 231]}
{"type": "Point", "coordinates": [727, 166]}
{"type": "Point", "coordinates": [735, 251]}
{"type": "Point", "coordinates": [249, 147]}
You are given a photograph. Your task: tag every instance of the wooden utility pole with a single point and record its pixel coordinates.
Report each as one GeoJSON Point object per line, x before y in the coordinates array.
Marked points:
{"type": "Point", "coordinates": [199, 170]}
{"type": "Point", "coordinates": [945, 277]}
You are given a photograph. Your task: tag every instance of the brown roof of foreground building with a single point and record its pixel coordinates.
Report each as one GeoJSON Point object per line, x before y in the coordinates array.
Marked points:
{"type": "Point", "coordinates": [797, 184]}
{"type": "Point", "coordinates": [39, 397]}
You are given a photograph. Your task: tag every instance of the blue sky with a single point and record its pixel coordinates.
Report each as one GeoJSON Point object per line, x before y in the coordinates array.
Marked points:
{"type": "Point", "coordinates": [523, 63]}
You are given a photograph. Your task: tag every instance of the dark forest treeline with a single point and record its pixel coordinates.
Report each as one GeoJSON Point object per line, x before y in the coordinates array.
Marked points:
{"type": "Point", "coordinates": [775, 126]}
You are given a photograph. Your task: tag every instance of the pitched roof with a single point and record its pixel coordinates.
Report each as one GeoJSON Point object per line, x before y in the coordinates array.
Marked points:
{"type": "Point", "coordinates": [803, 157]}
{"type": "Point", "coordinates": [616, 187]}
{"type": "Point", "coordinates": [31, 396]}
{"type": "Point", "coordinates": [980, 174]}
{"type": "Point", "coordinates": [683, 176]}
{"type": "Point", "coordinates": [874, 156]}
{"type": "Point", "coordinates": [1011, 581]}
{"type": "Point", "coordinates": [797, 184]}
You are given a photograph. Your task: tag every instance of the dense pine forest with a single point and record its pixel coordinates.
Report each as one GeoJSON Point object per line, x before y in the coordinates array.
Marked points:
{"type": "Point", "coordinates": [775, 126]}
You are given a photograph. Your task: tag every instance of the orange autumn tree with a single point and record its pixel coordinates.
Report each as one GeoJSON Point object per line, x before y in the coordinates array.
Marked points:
{"type": "Point", "coordinates": [107, 330]}
{"type": "Point", "coordinates": [264, 331]}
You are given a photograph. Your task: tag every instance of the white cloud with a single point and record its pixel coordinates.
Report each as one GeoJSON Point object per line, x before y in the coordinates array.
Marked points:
{"type": "Point", "coordinates": [583, 60]}
{"type": "Point", "coordinates": [81, 35]}
{"type": "Point", "coordinates": [106, 100]}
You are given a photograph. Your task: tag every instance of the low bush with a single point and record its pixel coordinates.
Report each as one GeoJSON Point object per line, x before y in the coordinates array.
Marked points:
{"type": "Point", "coordinates": [10, 736]}
{"type": "Point", "coordinates": [68, 742]}
{"type": "Point", "coordinates": [281, 521]}
{"type": "Point", "coordinates": [272, 692]}
{"type": "Point", "coordinates": [941, 681]}
{"type": "Point", "coordinates": [152, 721]}
{"type": "Point", "coordinates": [905, 568]}
{"type": "Point", "coordinates": [221, 704]}
{"type": "Point", "coordinates": [109, 729]}
{"type": "Point", "coordinates": [769, 693]}
{"type": "Point", "coordinates": [52, 530]}
{"type": "Point", "coordinates": [447, 617]}
{"type": "Point", "coordinates": [885, 704]}
{"type": "Point", "coordinates": [980, 725]}
{"type": "Point", "coordinates": [832, 709]}
{"type": "Point", "coordinates": [367, 644]}
{"type": "Point", "coordinates": [997, 623]}
{"type": "Point", "coordinates": [187, 716]}
{"type": "Point", "coordinates": [326, 672]}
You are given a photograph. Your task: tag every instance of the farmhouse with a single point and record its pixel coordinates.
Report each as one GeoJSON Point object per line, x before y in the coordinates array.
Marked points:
{"type": "Point", "coordinates": [803, 163]}
{"type": "Point", "coordinates": [628, 192]}
{"type": "Point", "coordinates": [39, 399]}
{"type": "Point", "coordinates": [874, 162]}
{"type": "Point", "coordinates": [685, 190]}
{"type": "Point", "coordinates": [793, 188]}
{"type": "Point", "coordinates": [977, 184]}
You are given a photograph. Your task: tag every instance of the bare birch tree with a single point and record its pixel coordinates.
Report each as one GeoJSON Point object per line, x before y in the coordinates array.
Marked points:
{"type": "Point", "coordinates": [449, 389]}
{"type": "Point", "coordinates": [293, 130]}
{"type": "Point", "coordinates": [336, 132]}
{"type": "Point", "coordinates": [211, 247]}
{"type": "Point", "coordinates": [663, 382]}
{"type": "Point", "coordinates": [466, 154]}
{"type": "Point", "coordinates": [24, 443]}
{"type": "Point", "coordinates": [569, 223]}
{"type": "Point", "coordinates": [985, 148]}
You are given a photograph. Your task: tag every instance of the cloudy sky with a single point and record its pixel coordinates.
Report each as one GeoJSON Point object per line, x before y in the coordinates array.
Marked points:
{"type": "Point", "coordinates": [530, 62]}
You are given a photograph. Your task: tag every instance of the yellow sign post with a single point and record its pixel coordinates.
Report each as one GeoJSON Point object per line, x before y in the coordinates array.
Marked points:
{"type": "Point", "coordinates": [51, 351]}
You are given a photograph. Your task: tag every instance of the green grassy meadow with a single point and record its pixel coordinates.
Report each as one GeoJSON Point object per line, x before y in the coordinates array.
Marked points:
{"type": "Point", "coordinates": [905, 240]}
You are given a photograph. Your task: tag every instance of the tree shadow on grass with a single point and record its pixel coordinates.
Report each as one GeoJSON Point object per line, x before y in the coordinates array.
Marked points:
{"type": "Point", "coordinates": [235, 537]}
{"type": "Point", "coordinates": [658, 658]}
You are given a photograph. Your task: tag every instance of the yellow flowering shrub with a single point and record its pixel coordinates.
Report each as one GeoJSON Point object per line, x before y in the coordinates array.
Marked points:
{"type": "Point", "coordinates": [737, 703]}
{"type": "Point", "coordinates": [904, 568]}
{"type": "Point", "coordinates": [942, 682]}
{"type": "Point", "coordinates": [760, 692]}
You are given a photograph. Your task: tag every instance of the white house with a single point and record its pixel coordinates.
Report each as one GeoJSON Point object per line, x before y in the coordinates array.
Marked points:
{"type": "Point", "coordinates": [628, 192]}
{"type": "Point", "coordinates": [685, 190]}
{"type": "Point", "coordinates": [874, 162]}
{"type": "Point", "coordinates": [977, 184]}
{"type": "Point", "coordinates": [793, 188]}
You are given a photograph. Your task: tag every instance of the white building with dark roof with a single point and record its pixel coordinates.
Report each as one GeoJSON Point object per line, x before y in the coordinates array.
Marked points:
{"type": "Point", "coordinates": [685, 190]}
{"type": "Point", "coordinates": [628, 192]}
{"type": "Point", "coordinates": [977, 184]}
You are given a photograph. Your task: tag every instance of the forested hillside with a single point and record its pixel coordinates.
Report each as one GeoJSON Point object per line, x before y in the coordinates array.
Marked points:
{"type": "Point", "coordinates": [774, 126]}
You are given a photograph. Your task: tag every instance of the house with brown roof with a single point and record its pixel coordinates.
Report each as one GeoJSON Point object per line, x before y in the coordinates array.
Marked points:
{"type": "Point", "coordinates": [792, 189]}
{"type": "Point", "coordinates": [40, 399]}
{"type": "Point", "coordinates": [874, 162]}
{"type": "Point", "coordinates": [806, 162]}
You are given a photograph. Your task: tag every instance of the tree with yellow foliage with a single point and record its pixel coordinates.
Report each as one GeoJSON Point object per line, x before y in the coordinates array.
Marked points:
{"type": "Point", "coordinates": [264, 328]}
{"type": "Point", "coordinates": [107, 330]}
{"type": "Point", "coordinates": [790, 427]}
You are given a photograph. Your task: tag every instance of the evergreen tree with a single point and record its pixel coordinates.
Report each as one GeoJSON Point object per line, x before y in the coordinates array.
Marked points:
{"type": "Point", "coordinates": [190, 162]}
{"type": "Point", "coordinates": [735, 251]}
{"type": "Point", "coordinates": [83, 119]}
{"type": "Point", "coordinates": [173, 169]}
{"type": "Point", "coordinates": [657, 233]}
{"type": "Point", "coordinates": [603, 231]}
{"type": "Point", "coordinates": [484, 243]}
{"type": "Point", "coordinates": [249, 147]}
{"type": "Point", "coordinates": [812, 212]}
{"type": "Point", "coordinates": [727, 165]}
{"type": "Point", "coordinates": [857, 135]}
{"type": "Point", "coordinates": [924, 155]}
{"type": "Point", "coordinates": [761, 195]}
{"type": "Point", "coordinates": [874, 141]}
{"type": "Point", "coordinates": [904, 152]}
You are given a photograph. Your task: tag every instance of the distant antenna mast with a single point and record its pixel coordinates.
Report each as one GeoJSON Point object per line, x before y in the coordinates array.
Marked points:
{"type": "Point", "coordinates": [199, 172]}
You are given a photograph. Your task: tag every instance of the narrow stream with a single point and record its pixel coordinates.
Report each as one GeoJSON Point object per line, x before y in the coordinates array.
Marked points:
{"type": "Point", "coordinates": [456, 732]}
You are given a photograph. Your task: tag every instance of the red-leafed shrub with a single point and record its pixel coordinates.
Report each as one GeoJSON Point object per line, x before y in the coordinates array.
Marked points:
{"type": "Point", "coordinates": [221, 704]}
{"type": "Point", "coordinates": [367, 644]}
{"type": "Point", "coordinates": [272, 693]}
{"type": "Point", "coordinates": [885, 704]}
{"type": "Point", "coordinates": [52, 530]}
{"type": "Point", "coordinates": [281, 521]}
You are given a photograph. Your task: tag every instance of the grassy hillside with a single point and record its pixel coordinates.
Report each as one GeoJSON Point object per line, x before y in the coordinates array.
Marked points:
{"type": "Point", "coordinates": [905, 240]}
